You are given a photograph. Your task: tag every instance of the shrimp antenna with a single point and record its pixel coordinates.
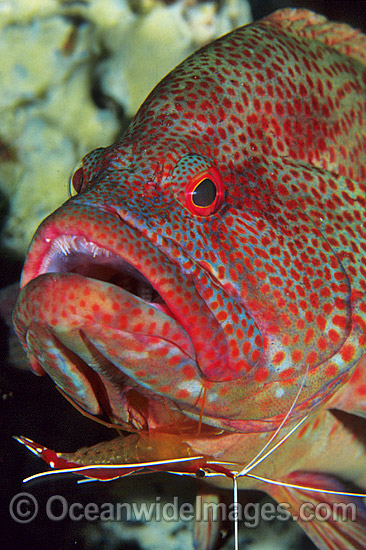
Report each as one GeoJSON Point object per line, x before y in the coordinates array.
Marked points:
{"type": "Point", "coordinates": [305, 488]}
{"type": "Point", "coordinates": [248, 468]}
{"type": "Point", "coordinates": [255, 461]}
{"type": "Point", "coordinates": [260, 456]}
{"type": "Point", "coordinates": [236, 508]}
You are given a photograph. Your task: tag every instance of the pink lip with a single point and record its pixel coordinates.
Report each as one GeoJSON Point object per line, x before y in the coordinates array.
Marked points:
{"type": "Point", "coordinates": [76, 254]}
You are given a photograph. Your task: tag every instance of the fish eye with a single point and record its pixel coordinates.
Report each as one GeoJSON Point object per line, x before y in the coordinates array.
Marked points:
{"type": "Point", "coordinates": [76, 181]}
{"type": "Point", "coordinates": [204, 194]}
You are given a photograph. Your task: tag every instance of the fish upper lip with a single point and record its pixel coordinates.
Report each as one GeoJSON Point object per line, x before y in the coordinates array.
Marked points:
{"type": "Point", "coordinates": [65, 247]}
{"type": "Point", "coordinates": [77, 254]}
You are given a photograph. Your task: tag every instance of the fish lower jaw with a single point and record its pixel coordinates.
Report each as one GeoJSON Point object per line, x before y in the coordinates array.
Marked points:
{"type": "Point", "coordinates": [76, 254]}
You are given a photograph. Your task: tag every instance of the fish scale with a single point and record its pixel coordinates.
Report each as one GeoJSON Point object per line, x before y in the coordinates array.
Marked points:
{"type": "Point", "coordinates": [238, 194]}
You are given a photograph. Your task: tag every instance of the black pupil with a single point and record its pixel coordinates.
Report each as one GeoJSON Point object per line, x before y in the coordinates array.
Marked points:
{"type": "Point", "coordinates": [205, 193]}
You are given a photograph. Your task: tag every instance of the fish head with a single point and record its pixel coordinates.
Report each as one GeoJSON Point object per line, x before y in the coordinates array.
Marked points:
{"type": "Point", "coordinates": [174, 281]}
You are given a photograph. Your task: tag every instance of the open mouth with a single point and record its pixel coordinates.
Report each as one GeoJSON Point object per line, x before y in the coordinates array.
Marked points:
{"type": "Point", "coordinates": [75, 254]}
{"type": "Point", "coordinates": [113, 328]}
{"type": "Point", "coordinates": [121, 397]}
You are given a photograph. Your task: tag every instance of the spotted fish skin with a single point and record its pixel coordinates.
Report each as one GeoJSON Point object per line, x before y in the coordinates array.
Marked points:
{"type": "Point", "coordinates": [262, 292]}
{"type": "Point", "coordinates": [275, 280]}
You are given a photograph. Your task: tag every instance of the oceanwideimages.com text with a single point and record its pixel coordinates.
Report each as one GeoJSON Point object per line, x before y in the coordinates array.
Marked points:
{"type": "Point", "coordinates": [24, 508]}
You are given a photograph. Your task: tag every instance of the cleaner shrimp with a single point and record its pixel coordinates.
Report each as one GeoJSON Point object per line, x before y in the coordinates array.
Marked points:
{"type": "Point", "coordinates": [167, 452]}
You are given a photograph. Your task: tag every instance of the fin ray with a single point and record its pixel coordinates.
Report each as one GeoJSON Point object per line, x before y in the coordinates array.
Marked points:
{"type": "Point", "coordinates": [339, 522]}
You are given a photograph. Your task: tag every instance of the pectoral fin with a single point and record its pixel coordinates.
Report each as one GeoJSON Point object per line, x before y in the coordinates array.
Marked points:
{"type": "Point", "coordinates": [351, 398]}
{"type": "Point", "coordinates": [332, 521]}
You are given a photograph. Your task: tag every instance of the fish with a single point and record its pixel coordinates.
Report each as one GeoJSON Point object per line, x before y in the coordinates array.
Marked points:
{"type": "Point", "coordinates": [205, 286]}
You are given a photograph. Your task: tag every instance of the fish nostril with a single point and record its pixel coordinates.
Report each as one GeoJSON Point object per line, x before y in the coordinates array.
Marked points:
{"type": "Point", "coordinates": [108, 209]}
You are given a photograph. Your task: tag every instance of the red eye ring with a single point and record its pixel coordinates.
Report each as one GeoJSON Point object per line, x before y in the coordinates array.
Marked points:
{"type": "Point", "coordinates": [204, 194]}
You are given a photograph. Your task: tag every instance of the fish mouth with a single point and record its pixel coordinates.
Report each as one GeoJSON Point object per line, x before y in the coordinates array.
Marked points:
{"type": "Point", "coordinates": [76, 254]}
{"type": "Point", "coordinates": [93, 375]}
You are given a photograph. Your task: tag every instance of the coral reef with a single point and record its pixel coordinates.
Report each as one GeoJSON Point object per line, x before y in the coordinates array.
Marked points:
{"type": "Point", "coordinates": [73, 73]}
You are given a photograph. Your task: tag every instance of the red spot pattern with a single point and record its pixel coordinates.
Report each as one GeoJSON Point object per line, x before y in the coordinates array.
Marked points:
{"type": "Point", "coordinates": [262, 291]}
